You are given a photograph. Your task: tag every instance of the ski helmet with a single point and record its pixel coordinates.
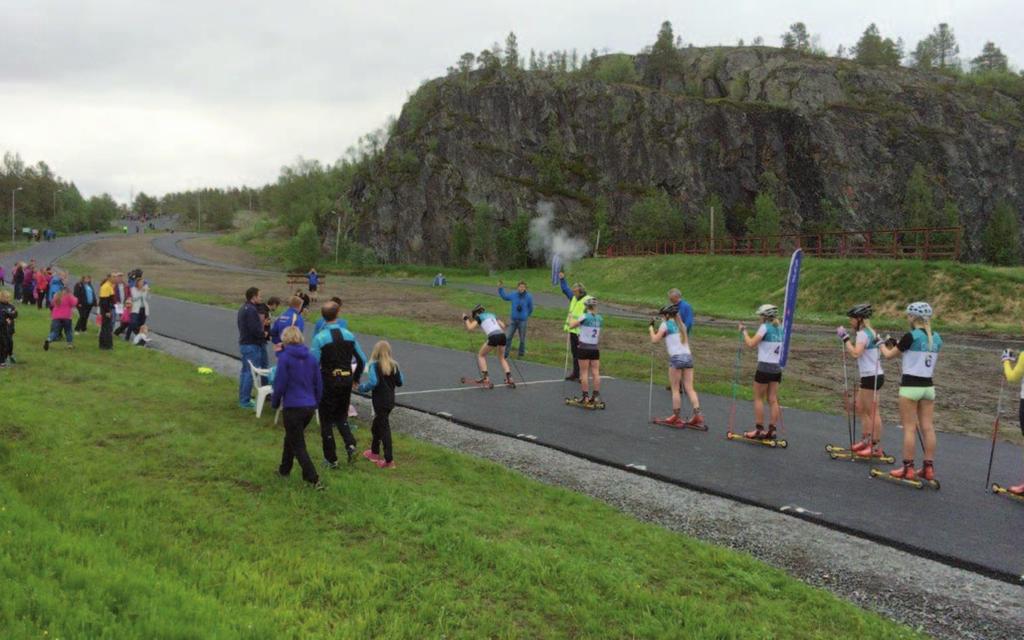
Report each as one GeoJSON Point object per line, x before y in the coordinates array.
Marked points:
{"type": "Point", "coordinates": [863, 311]}
{"type": "Point", "coordinates": [590, 302]}
{"type": "Point", "coordinates": [477, 310]}
{"type": "Point", "coordinates": [768, 311]}
{"type": "Point", "coordinates": [922, 310]}
{"type": "Point", "coordinates": [669, 310]}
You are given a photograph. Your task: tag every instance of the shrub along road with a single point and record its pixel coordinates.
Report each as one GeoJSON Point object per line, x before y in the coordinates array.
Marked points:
{"type": "Point", "coordinates": [962, 524]}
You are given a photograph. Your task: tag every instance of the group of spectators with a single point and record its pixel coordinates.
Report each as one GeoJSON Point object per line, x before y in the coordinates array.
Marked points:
{"type": "Point", "coordinates": [120, 300]}
{"type": "Point", "coordinates": [317, 380]}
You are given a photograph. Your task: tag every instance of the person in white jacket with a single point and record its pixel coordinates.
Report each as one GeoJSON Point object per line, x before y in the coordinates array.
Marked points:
{"type": "Point", "coordinates": [140, 307]}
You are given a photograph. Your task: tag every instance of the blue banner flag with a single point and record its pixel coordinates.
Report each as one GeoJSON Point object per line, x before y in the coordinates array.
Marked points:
{"type": "Point", "coordinates": [556, 266]}
{"type": "Point", "coordinates": [789, 310]}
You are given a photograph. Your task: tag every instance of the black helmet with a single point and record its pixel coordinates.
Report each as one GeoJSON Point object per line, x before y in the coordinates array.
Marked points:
{"type": "Point", "coordinates": [477, 310]}
{"type": "Point", "coordinates": [863, 311]}
{"type": "Point", "coordinates": [669, 310]}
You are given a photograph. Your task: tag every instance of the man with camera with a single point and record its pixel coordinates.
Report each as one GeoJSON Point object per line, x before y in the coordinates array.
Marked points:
{"type": "Point", "coordinates": [522, 309]}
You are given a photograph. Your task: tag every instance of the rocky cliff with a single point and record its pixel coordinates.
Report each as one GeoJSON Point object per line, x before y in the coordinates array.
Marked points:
{"type": "Point", "coordinates": [842, 139]}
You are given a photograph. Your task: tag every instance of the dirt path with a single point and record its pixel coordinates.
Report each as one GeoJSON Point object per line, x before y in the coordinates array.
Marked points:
{"type": "Point", "coordinates": [967, 378]}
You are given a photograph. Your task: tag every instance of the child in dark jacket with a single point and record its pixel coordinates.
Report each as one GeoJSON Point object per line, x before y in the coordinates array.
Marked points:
{"type": "Point", "coordinates": [7, 316]}
{"type": "Point", "coordinates": [297, 388]}
{"type": "Point", "coordinates": [383, 376]}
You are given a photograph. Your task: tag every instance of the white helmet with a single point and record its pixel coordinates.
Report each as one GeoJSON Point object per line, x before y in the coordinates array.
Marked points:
{"type": "Point", "coordinates": [920, 309]}
{"type": "Point", "coordinates": [767, 311]}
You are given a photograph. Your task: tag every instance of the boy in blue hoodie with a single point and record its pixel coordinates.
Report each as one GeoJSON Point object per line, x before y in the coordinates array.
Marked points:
{"type": "Point", "coordinates": [298, 389]}
{"type": "Point", "coordinates": [292, 317]}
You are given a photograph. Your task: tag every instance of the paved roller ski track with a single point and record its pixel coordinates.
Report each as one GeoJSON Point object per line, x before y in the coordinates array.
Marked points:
{"type": "Point", "coordinates": [962, 525]}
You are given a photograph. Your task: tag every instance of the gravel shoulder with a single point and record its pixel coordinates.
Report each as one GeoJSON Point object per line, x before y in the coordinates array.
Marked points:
{"type": "Point", "coordinates": [942, 601]}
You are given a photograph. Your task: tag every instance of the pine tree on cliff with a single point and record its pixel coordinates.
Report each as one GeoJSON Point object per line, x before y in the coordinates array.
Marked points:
{"type": "Point", "coordinates": [511, 51]}
{"type": "Point", "coordinates": [938, 50]}
{"type": "Point", "coordinates": [872, 49]}
{"type": "Point", "coordinates": [797, 38]}
{"type": "Point", "coordinates": [664, 58]}
{"type": "Point", "coordinates": [992, 58]}
{"type": "Point", "coordinates": [918, 200]}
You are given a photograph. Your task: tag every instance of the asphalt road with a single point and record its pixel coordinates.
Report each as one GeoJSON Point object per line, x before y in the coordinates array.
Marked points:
{"type": "Point", "coordinates": [962, 524]}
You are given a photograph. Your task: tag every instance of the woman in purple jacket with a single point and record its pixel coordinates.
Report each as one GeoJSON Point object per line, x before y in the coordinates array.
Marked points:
{"type": "Point", "coordinates": [298, 388]}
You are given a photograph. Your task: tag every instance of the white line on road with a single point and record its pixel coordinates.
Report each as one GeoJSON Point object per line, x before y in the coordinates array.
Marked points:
{"type": "Point", "coordinates": [470, 387]}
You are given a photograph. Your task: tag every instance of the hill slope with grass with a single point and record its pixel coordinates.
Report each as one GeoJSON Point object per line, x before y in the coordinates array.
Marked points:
{"type": "Point", "coordinates": [166, 518]}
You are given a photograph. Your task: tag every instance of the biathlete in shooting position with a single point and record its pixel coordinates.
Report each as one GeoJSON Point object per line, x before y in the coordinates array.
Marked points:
{"type": "Point", "coordinates": [863, 346]}
{"type": "Point", "coordinates": [496, 339]}
{"type": "Point", "coordinates": [1015, 373]}
{"type": "Point", "coordinates": [680, 367]}
{"type": "Point", "coordinates": [768, 376]}
{"type": "Point", "coordinates": [589, 324]}
{"type": "Point", "coordinates": [920, 349]}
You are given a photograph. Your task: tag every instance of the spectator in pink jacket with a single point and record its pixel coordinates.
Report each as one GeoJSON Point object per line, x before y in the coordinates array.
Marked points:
{"type": "Point", "coordinates": [64, 304]}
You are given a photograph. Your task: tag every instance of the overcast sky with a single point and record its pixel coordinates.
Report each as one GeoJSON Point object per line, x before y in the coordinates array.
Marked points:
{"type": "Point", "coordinates": [168, 95]}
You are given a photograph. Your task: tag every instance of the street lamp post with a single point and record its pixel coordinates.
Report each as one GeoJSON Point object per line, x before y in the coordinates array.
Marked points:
{"type": "Point", "coordinates": [13, 191]}
{"type": "Point", "coordinates": [337, 238]}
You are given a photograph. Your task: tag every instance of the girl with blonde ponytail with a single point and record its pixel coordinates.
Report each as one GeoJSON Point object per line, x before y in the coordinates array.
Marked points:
{"type": "Point", "coordinates": [920, 349]}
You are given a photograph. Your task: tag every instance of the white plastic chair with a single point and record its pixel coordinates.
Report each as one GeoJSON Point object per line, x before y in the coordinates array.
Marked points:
{"type": "Point", "coordinates": [262, 391]}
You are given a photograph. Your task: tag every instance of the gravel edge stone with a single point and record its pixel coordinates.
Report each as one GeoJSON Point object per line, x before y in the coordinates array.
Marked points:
{"type": "Point", "coordinates": [940, 600]}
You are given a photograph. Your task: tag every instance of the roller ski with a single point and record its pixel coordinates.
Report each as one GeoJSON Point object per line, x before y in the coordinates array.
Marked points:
{"type": "Point", "coordinates": [586, 402]}
{"type": "Point", "coordinates": [1014, 493]}
{"type": "Point", "coordinates": [861, 454]}
{"type": "Point", "coordinates": [759, 436]}
{"type": "Point", "coordinates": [674, 421]}
{"type": "Point", "coordinates": [509, 382]}
{"type": "Point", "coordinates": [483, 382]}
{"type": "Point", "coordinates": [909, 476]}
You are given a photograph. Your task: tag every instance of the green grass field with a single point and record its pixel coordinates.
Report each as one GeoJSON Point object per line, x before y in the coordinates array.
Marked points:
{"type": "Point", "coordinates": [137, 502]}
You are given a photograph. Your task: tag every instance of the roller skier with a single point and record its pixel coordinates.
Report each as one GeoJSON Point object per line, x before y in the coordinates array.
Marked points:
{"type": "Point", "coordinates": [589, 324]}
{"type": "Point", "coordinates": [768, 342]}
{"type": "Point", "coordinates": [1014, 372]}
{"type": "Point", "coordinates": [863, 346]}
{"type": "Point", "coordinates": [496, 340]}
{"type": "Point", "coordinates": [680, 369]}
{"type": "Point", "coordinates": [919, 348]}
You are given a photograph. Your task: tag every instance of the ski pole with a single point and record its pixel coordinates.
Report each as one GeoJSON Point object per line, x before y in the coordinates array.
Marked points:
{"type": "Point", "coordinates": [650, 390]}
{"type": "Point", "coordinates": [995, 430]}
{"type": "Point", "coordinates": [846, 395]}
{"type": "Point", "coordinates": [735, 382]}
{"type": "Point", "coordinates": [516, 365]}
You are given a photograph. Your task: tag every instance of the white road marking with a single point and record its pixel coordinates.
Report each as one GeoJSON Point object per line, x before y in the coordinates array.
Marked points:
{"type": "Point", "coordinates": [526, 436]}
{"type": "Point", "coordinates": [799, 510]}
{"type": "Point", "coordinates": [638, 467]}
{"type": "Point", "coordinates": [470, 387]}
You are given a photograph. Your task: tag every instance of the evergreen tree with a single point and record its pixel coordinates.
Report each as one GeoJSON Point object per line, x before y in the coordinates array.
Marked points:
{"type": "Point", "coordinates": [797, 38]}
{"type": "Point", "coordinates": [533, 60]}
{"type": "Point", "coordinates": [767, 220]}
{"type": "Point", "coordinates": [460, 244]}
{"type": "Point", "coordinates": [758, 41]}
{"type": "Point", "coordinates": [483, 232]}
{"type": "Point", "coordinates": [992, 58]}
{"type": "Point", "coordinates": [511, 51]}
{"type": "Point", "coordinates": [304, 249]}
{"type": "Point", "coordinates": [1001, 240]}
{"type": "Point", "coordinates": [664, 58]}
{"type": "Point", "coordinates": [466, 61]}
{"type": "Point", "coordinates": [872, 49]}
{"type": "Point", "coordinates": [938, 50]}
{"type": "Point", "coordinates": [918, 199]}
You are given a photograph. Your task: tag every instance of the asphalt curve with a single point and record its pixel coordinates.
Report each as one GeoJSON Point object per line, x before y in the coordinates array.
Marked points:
{"type": "Point", "coordinates": [962, 524]}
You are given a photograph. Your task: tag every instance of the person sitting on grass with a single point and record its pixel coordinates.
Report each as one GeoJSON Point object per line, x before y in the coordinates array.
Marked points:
{"type": "Point", "coordinates": [142, 336]}
{"type": "Point", "coordinates": [298, 389]}
{"type": "Point", "coordinates": [8, 314]}
{"type": "Point", "coordinates": [63, 306]}
{"type": "Point", "coordinates": [382, 376]}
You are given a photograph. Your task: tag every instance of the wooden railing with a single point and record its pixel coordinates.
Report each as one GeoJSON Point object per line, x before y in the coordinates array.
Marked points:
{"type": "Point", "coordinates": [941, 243]}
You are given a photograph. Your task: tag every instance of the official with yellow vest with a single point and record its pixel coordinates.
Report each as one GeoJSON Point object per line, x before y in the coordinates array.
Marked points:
{"type": "Point", "coordinates": [575, 296]}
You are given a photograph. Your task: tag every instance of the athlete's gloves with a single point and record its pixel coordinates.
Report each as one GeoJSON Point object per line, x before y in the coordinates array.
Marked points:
{"type": "Point", "coordinates": [654, 321]}
{"type": "Point", "coordinates": [890, 341]}
{"type": "Point", "coordinates": [1007, 355]}
{"type": "Point", "coordinates": [843, 334]}
{"type": "Point", "coordinates": [465, 317]}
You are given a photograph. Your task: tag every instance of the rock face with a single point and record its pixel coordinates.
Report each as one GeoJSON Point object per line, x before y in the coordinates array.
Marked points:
{"type": "Point", "coordinates": [838, 136]}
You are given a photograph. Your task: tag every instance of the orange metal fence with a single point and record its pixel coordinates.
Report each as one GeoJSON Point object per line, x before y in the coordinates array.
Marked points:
{"type": "Point", "coordinates": [942, 243]}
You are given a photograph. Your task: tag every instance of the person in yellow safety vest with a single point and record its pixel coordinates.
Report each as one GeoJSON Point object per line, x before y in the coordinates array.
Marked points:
{"type": "Point", "coordinates": [1015, 373]}
{"type": "Point", "coordinates": [576, 310]}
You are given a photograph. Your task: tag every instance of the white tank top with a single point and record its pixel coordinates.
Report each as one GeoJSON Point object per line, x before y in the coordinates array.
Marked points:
{"type": "Point", "coordinates": [674, 343]}
{"type": "Point", "coordinates": [590, 335]}
{"type": "Point", "coordinates": [869, 363]}
{"type": "Point", "coordinates": [769, 350]}
{"type": "Point", "coordinates": [490, 325]}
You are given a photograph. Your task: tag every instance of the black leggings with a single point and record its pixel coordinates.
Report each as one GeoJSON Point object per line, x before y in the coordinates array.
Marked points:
{"type": "Point", "coordinates": [295, 421]}
{"type": "Point", "coordinates": [334, 413]}
{"type": "Point", "coordinates": [1020, 416]}
{"type": "Point", "coordinates": [381, 432]}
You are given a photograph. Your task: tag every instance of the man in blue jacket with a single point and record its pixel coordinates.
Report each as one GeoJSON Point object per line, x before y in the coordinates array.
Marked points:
{"type": "Point", "coordinates": [675, 296]}
{"type": "Point", "coordinates": [251, 345]}
{"type": "Point", "coordinates": [292, 317]}
{"type": "Point", "coordinates": [334, 347]}
{"type": "Point", "coordinates": [522, 309]}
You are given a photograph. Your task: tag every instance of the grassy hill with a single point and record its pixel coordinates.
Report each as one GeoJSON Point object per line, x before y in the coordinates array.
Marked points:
{"type": "Point", "coordinates": [137, 502]}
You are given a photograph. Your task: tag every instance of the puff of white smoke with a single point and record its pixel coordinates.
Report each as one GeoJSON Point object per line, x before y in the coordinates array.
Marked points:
{"type": "Point", "coordinates": [548, 241]}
